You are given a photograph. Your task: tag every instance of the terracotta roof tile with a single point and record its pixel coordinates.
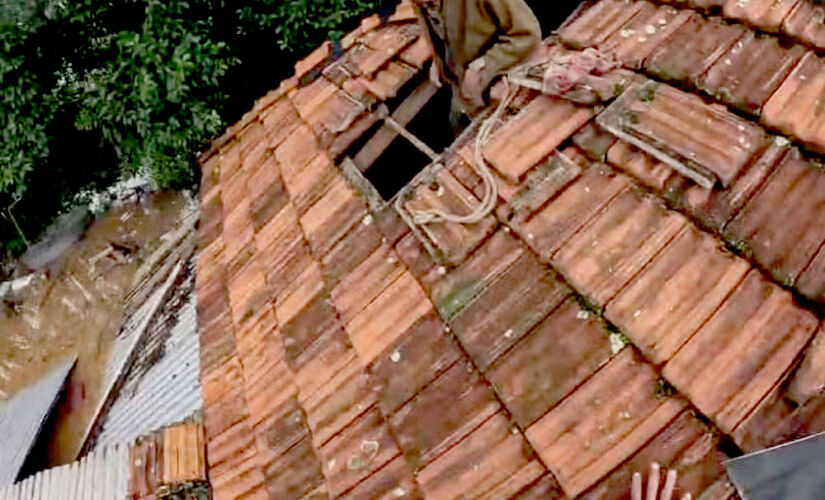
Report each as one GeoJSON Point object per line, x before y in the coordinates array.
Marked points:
{"type": "Point", "coordinates": [350, 252]}
{"type": "Point", "coordinates": [417, 54]}
{"type": "Point", "coordinates": [248, 291]}
{"type": "Point", "coordinates": [811, 283]}
{"type": "Point", "coordinates": [700, 141]}
{"type": "Point", "coordinates": [454, 241]}
{"type": "Point", "coordinates": [563, 351]}
{"type": "Point", "coordinates": [306, 285]}
{"type": "Point", "coordinates": [391, 482]}
{"type": "Point", "coordinates": [360, 449]}
{"type": "Point", "coordinates": [539, 185]}
{"type": "Point", "coordinates": [223, 397]}
{"type": "Point", "coordinates": [505, 308]}
{"type": "Point", "coordinates": [297, 150]}
{"type": "Point", "coordinates": [365, 282]}
{"type": "Point", "coordinates": [492, 462]}
{"type": "Point", "coordinates": [240, 479]}
{"type": "Point", "coordinates": [328, 111]}
{"type": "Point", "coordinates": [594, 141]}
{"type": "Point", "coordinates": [747, 75]}
{"type": "Point", "coordinates": [546, 488]}
{"type": "Point", "coordinates": [238, 237]}
{"type": "Point", "coordinates": [311, 324]}
{"type": "Point", "coordinates": [808, 381]}
{"type": "Point", "coordinates": [533, 134]}
{"type": "Point", "coordinates": [608, 252]}
{"type": "Point", "coordinates": [335, 213]}
{"type": "Point", "coordinates": [325, 359]}
{"type": "Point", "coordinates": [685, 445]}
{"type": "Point", "coordinates": [767, 15]}
{"type": "Point", "coordinates": [715, 208]}
{"type": "Point", "coordinates": [280, 121]}
{"type": "Point", "coordinates": [553, 226]}
{"type": "Point", "coordinates": [723, 369]}
{"type": "Point", "coordinates": [313, 60]}
{"type": "Point", "coordinates": [794, 108]}
{"type": "Point", "coordinates": [692, 49]}
{"type": "Point", "coordinates": [294, 474]}
{"type": "Point", "coordinates": [778, 226]}
{"type": "Point", "coordinates": [283, 428]}
{"type": "Point", "coordinates": [338, 402]}
{"type": "Point", "coordinates": [392, 312]}
{"type": "Point", "coordinates": [804, 22]}
{"type": "Point", "coordinates": [642, 166]}
{"type": "Point", "coordinates": [452, 291]}
{"type": "Point", "coordinates": [308, 184]}
{"type": "Point", "coordinates": [267, 193]}
{"type": "Point", "coordinates": [640, 35]}
{"type": "Point", "coordinates": [597, 23]}
{"type": "Point", "coordinates": [414, 361]}
{"type": "Point", "coordinates": [607, 420]}
{"type": "Point", "coordinates": [443, 413]}
{"type": "Point", "coordinates": [217, 342]}
{"type": "Point", "coordinates": [676, 293]}
{"type": "Point", "coordinates": [387, 82]}
{"type": "Point", "coordinates": [211, 219]}
{"type": "Point", "coordinates": [389, 41]}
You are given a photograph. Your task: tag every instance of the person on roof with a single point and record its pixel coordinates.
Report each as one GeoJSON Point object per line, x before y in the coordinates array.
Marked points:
{"type": "Point", "coordinates": [474, 43]}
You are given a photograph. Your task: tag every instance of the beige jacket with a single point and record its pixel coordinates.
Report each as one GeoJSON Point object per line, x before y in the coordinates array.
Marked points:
{"type": "Point", "coordinates": [501, 32]}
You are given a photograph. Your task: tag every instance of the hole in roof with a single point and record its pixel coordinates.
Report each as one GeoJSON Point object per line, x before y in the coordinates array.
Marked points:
{"type": "Point", "coordinates": [552, 14]}
{"type": "Point", "coordinates": [400, 161]}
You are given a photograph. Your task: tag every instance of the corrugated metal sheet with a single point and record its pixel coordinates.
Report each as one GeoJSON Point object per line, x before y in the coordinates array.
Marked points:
{"type": "Point", "coordinates": [22, 417]}
{"type": "Point", "coordinates": [102, 475]}
{"type": "Point", "coordinates": [162, 386]}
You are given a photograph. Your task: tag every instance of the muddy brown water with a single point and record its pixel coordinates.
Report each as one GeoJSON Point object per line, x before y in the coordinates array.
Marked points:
{"type": "Point", "coordinates": [77, 311]}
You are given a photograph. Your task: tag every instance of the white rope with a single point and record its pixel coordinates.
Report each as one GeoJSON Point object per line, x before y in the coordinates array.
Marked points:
{"type": "Point", "coordinates": [488, 199]}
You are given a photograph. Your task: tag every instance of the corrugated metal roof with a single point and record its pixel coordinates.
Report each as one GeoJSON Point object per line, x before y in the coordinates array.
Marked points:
{"type": "Point", "coordinates": [22, 417]}
{"type": "Point", "coordinates": [102, 475]}
{"type": "Point", "coordinates": [162, 386]}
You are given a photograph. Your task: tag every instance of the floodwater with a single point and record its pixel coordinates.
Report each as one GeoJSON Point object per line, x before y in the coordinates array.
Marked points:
{"type": "Point", "coordinates": [77, 310]}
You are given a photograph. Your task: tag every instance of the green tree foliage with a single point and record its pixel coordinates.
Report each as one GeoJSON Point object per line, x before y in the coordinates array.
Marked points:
{"type": "Point", "coordinates": [93, 89]}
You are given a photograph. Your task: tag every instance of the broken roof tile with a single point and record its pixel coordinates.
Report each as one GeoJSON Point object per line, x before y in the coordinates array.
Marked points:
{"type": "Point", "coordinates": [805, 22]}
{"type": "Point", "coordinates": [597, 23]}
{"type": "Point", "coordinates": [780, 226]}
{"type": "Point", "coordinates": [358, 451]}
{"type": "Point", "coordinates": [767, 15]}
{"type": "Point", "coordinates": [700, 141]}
{"type": "Point", "coordinates": [506, 308]}
{"type": "Point", "coordinates": [676, 293]}
{"type": "Point", "coordinates": [749, 73]}
{"type": "Point", "coordinates": [686, 445]}
{"type": "Point", "coordinates": [392, 312]}
{"type": "Point", "coordinates": [741, 352]}
{"type": "Point", "coordinates": [454, 241]}
{"type": "Point", "coordinates": [563, 351]}
{"type": "Point", "coordinates": [642, 33]}
{"type": "Point", "coordinates": [491, 462]}
{"type": "Point", "coordinates": [692, 49]}
{"type": "Point", "coordinates": [533, 134]}
{"type": "Point", "coordinates": [415, 360]}
{"type": "Point", "coordinates": [442, 413]}
{"type": "Point", "coordinates": [553, 226]}
{"type": "Point", "coordinates": [796, 106]}
{"type": "Point", "coordinates": [621, 401]}
{"type": "Point", "coordinates": [608, 252]}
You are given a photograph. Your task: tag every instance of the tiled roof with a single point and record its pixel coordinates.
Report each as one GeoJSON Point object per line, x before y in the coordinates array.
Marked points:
{"type": "Point", "coordinates": [648, 287]}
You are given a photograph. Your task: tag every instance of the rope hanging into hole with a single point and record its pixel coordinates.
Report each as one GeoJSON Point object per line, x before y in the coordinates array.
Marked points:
{"type": "Point", "coordinates": [573, 76]}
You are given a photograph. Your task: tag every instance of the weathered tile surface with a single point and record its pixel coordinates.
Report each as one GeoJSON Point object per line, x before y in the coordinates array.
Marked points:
{"type": "Point", "coordinates": [743, 350]}
{"type": "Point", "coordinates": [563, 351]}
{"type": "Point", "coordinates": [597, 23]}
{"type": "Point", "coordinates": [604, 422]}
{"type": "Point", "coordinates": [676, 293]}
